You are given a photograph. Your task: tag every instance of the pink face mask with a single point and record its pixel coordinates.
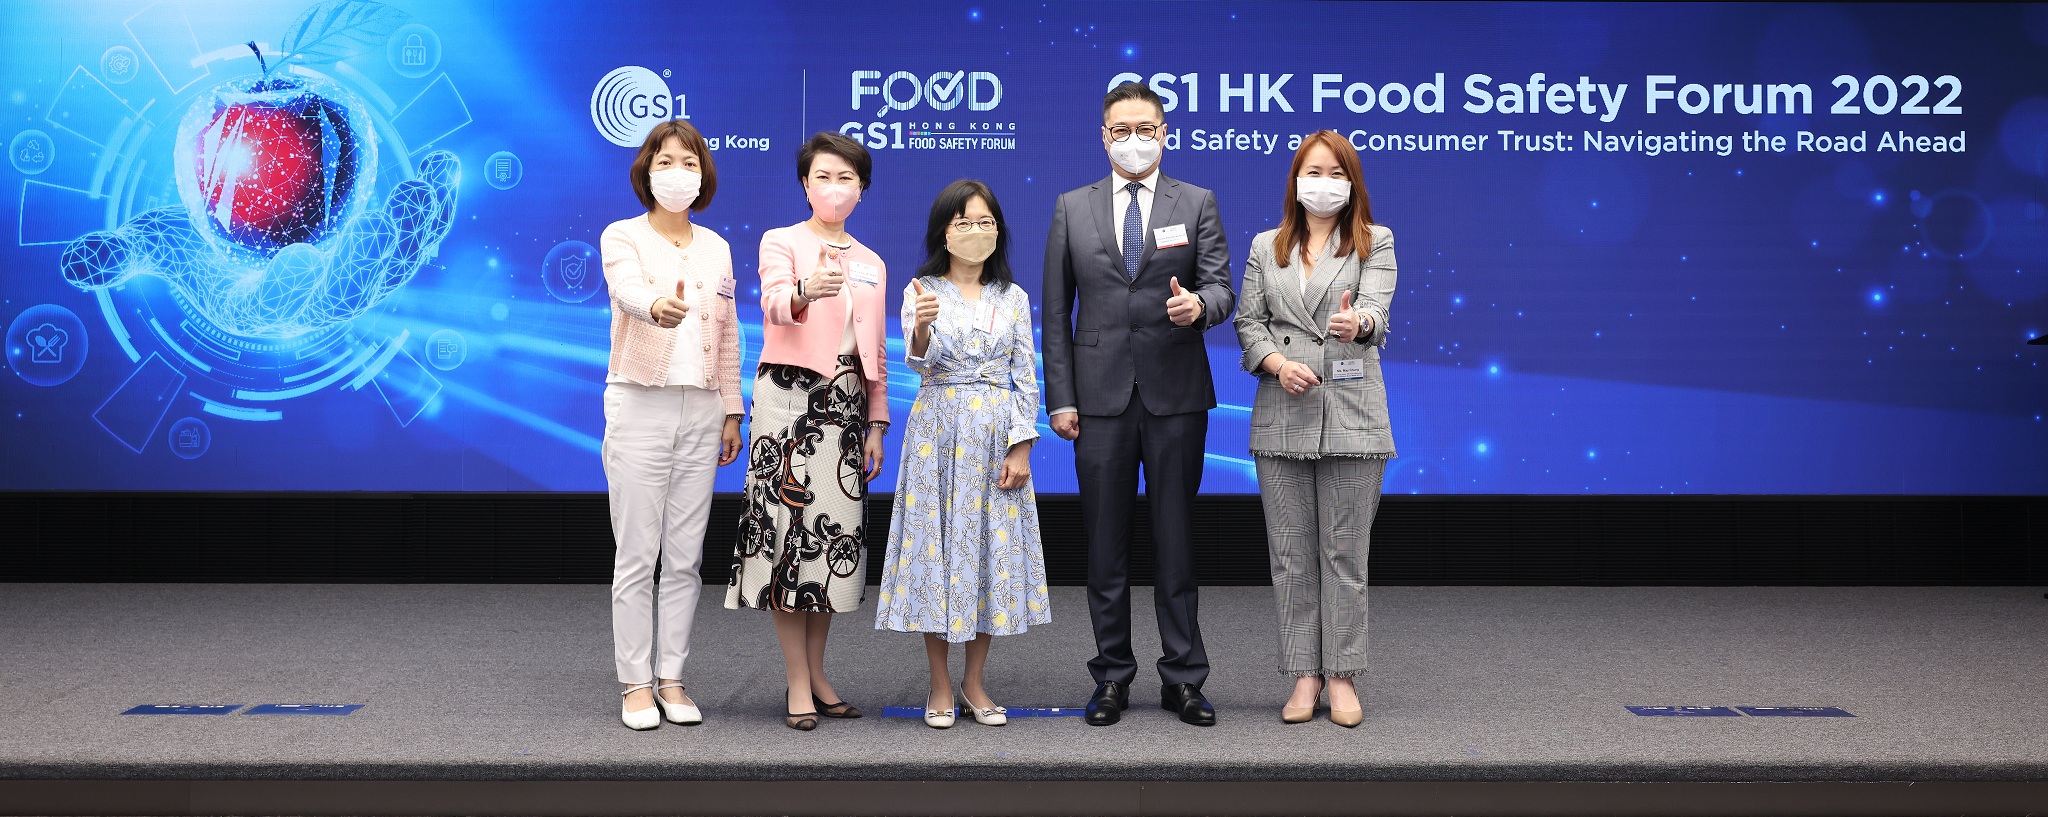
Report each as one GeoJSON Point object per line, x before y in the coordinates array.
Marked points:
{"type": "Point", "coordinates": [833, 202]}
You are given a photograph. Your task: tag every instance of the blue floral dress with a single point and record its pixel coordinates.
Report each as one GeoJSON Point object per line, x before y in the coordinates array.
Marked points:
{"type": "Point", "coordinates": [964, 555]}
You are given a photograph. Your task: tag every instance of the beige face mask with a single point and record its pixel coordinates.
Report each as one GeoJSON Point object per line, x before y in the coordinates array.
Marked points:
{"type": "Point", "coordinates": [974, 247]}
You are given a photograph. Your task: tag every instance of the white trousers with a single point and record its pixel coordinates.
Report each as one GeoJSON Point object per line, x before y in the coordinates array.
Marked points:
{"type": "Point", "coordinates": [660, 455]}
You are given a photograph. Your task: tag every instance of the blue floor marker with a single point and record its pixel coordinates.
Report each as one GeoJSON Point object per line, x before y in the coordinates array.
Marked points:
{"type": "Point", "coordinates": [302, 709]}
{"type": "Point", "coordinates": [184, 709]}
{"type": "Point", "coordinates": [1685, 711]}
{"type": "Point", "coordinates": [1049, 712]}
{"type": "Point", "coordinates": [1795, 711]}
{"type": "Point", "coordinates": [1014, 712]}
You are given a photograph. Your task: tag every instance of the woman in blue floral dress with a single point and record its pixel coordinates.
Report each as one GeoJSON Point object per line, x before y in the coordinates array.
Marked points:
{"type": "Point", "coordinates": [964, 562]}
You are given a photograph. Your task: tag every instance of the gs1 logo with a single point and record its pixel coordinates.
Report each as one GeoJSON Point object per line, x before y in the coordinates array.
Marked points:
{"type": "Point", "coordinates": [629, 102]}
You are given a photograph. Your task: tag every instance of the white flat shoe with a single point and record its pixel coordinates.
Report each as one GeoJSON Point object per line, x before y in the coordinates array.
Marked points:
{"type": "Point", "coordinates": [682, 714]}
{"type": "Point", "coordinates": [937, 719]}
{"type": "Point", "coordinates": [642, 720]}
{"type": "Point", "coordinates": [992, 716]}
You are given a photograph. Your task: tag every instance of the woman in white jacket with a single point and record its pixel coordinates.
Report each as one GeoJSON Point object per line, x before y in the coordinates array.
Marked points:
{"type": "Point", "coordinates": [671, 413]}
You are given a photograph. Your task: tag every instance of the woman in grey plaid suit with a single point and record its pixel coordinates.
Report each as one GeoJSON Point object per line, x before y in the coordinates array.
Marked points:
{"type": "Point", "coordinates": [1311, 319]}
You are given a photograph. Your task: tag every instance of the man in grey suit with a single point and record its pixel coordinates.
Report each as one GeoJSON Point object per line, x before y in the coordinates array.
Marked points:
{"type": "Point", "coordinates": [1136, 269]}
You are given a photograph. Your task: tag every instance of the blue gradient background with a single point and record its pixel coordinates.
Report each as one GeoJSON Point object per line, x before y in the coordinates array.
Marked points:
{"type": "Point", "coordinates": [1759, 323]}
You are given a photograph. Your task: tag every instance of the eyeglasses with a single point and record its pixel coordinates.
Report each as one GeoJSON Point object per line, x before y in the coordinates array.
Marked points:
{"type": "Point", "coordinates": [1147, 132]}
{"type": "Point", "coordinates": [986, 225]}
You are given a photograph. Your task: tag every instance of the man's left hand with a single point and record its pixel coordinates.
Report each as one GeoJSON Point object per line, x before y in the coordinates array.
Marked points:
{"type": "Point", "coordinates": [1184, 307]}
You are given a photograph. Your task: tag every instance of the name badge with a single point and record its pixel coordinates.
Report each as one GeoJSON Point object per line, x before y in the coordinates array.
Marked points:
{"type": "Point", "coordinates": [984, 317]}
{"type": "Point", "coordinates": [864, 273]}
{"type": "Point", "coordinates": [725, 288]}
{"type": "Point", "coordinates": [1353, 369]}
{"type": "Point", "coordinates": [1174, 236]}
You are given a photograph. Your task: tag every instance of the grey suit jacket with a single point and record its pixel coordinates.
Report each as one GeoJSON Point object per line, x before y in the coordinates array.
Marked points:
{"type": "Point", "coordinates": [1107, 336]}
{"type": "Point", "coordinates": [1339, 417]}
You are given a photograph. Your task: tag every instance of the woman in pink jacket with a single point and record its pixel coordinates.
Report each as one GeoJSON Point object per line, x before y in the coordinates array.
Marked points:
{"type": "Point", "coordinates": [821, 409]}
{"type": "Point", "coordinates": [671, 412]}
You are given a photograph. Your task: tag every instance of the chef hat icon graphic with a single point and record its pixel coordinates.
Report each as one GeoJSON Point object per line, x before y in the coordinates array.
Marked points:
{"type": "Point", "coordinates": [46, 344]}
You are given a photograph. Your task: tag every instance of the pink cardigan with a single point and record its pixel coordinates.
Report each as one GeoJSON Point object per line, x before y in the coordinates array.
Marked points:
{"type": "Point", "coordinates": [812, 339]}
{"type": "Point", "coordinates": [641, 266]}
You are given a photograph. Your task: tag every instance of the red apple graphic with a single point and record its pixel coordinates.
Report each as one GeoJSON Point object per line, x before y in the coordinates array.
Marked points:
{"type": "Point", "coordinates": [271, 161]}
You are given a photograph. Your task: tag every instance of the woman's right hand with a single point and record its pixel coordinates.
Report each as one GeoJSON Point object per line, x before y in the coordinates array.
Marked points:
{"type": "Point", "coordinates": [927, 306]}
{"type": "Point", "coordinates": [826, 279]}
{"type": "Point", "coordinates": [669, 311]}
{"type": "Point", "coordinates": [1296, 378]}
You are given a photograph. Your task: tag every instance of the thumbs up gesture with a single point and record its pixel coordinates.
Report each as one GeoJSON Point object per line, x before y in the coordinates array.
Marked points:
{"type": "Point", "coordinates": [668, 311]}
{"type": "Point", "coordinates": [1183, 307]}
{"type": "Point", "coordinates": [1344, 323]}
{"type": "Point", "coordinates": [927, 306]}
{"type": "Point", "coordinates": [826, 279]}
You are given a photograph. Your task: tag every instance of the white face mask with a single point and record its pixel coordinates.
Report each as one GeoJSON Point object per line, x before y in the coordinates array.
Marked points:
{"type": "Point", "coordinates": [675, 189]}
{"type": "Point", "coordinates": [1135, 155]}
{"type": "Point", "coordinates": [1321, 195]}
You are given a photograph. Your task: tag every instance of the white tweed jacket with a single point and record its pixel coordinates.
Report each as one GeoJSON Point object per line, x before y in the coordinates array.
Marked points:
{"type": "Point", "coordinates": [640, 267]}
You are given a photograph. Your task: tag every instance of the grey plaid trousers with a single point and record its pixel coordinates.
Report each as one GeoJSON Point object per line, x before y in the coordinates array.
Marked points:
{"type": "Point", "coordinates": [1318, 530]}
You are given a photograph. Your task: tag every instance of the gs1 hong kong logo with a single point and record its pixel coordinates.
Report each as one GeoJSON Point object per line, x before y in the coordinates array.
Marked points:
{"type": "Point", "coordinates": [628, 102]}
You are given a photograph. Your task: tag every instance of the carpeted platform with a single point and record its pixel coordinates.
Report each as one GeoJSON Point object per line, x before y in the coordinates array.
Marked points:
{"type": "Point", "coordinates": [1469, 684]}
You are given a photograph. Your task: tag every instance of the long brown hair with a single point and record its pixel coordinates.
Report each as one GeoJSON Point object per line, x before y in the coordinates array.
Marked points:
{"type": "Point", "coordinates": [1353, 221]}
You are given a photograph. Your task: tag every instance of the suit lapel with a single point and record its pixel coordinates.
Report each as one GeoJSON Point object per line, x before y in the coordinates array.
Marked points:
{"type": "Point", "coordinates": [1329, 268]}
{"type": "Point", "coordinates": [1164, 201]}
{"type": "Point", "coordinates": [1106, 222]}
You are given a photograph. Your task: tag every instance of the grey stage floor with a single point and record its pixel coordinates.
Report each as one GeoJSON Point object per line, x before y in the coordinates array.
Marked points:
{"type": "Point", "coordinates": [514, 682]}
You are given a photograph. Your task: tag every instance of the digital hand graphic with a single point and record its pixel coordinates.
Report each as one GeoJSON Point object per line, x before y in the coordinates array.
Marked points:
{"type": "Point", "coordinates": [276, 236]}
{"type": "Point", "coordinates": [302, 287]}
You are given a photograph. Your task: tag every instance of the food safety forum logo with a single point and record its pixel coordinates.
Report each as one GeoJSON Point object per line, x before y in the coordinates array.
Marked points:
{"type": "Point", "coordinates": [948, 110]}
{"type": "Point", "coordinates": [628, 102]}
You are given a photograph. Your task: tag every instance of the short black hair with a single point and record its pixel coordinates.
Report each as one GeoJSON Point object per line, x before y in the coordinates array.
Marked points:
{"type": "Point", "coordinates": [838, 145]}
{"type": "Point", "coordinates": [1132, 90]}
{"type": "Point", "coordinates": [951, 204]}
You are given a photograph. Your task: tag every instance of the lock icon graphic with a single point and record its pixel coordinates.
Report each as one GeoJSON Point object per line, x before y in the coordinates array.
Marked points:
{"type": "Point", "coordinates": [414, 52]}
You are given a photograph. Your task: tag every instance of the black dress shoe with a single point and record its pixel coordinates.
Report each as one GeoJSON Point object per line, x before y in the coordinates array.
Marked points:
{"type": "Point", "coordinates": [1186, 701]}
{"type": "Point", "coordinates": [1109, 703]}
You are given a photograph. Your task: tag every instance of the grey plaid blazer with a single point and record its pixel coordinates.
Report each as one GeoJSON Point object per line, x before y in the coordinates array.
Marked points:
{"type": "Point", "coordinates": [1337, 418]}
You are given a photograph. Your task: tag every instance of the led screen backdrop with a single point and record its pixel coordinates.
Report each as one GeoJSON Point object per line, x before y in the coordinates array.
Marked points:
{"type": "Point", "coordinates": [1643, 248]}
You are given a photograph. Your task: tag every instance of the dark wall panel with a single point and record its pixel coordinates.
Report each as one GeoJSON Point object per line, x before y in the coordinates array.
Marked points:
{"type": "Point", "coordinates": [1497, 540]}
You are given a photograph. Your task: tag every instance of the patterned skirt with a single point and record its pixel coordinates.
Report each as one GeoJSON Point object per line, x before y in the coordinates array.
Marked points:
{"type": "Point", "coordinates": [802, 544]}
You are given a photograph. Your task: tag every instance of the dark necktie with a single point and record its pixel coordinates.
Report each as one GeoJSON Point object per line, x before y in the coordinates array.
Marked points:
{"type": "Point", "coordinates": [1134, 232]}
